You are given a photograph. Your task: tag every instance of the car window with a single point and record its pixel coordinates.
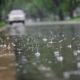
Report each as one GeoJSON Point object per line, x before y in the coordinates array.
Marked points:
{"type": "Point", "coordinates": [16, 12]}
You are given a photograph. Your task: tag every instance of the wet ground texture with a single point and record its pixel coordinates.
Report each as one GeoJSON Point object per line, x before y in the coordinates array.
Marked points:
{"type": "Point", "coordinates": [44, 53]}
{"type": "Point", "coordinates": [7, 59]}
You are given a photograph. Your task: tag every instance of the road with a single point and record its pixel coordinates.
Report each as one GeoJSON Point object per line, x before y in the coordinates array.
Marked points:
{"type": "Point", "coordinates": [51, 23]}
{"type": "Point", "coordinates": [7, 58]}
{"type": "Point", "coordinates": [45, 23]}
{"type": "Point", "coordinates": [7, 61]}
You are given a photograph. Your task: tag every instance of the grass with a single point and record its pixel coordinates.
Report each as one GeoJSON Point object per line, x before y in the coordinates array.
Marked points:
{"type": "Point", "coordinates": [76, 18]}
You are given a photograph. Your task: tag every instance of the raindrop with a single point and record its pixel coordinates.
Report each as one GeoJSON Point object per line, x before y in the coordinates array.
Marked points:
{"type": "Point", "coordinates": [51, 41]}
{"type": "Point", "coordinates": [56, 53]}
{"type": "Point", "coordinates": [69, 46]}
{"type": "Point", "coordinates": [66, 75]}
{"type": "Point", "coordinates": [4, 46]}
{"type": "Point", "coordinates": [19, 52]}
{"type": "Point", "coordinates": [60, 58]}
{"type": "Point", "coordinates": [13, 44]}
{"type": "Point", "coordinates": [78, 65]}
{"type": "Point", "coordinates": [63, 35]}
{"type": "Point", "coordinates": [9, 47]}
{"type": "Point", "coordinates": [60, 41]}
{"type": "Point", "coordinates": [7, 38]}
{"type": "Point", "coordinates": [75, 53]}
{"type": "Point", "coordinates": [78, 51]}
{"type": "Point", "coordinates": [37, 54]}
{"type": "Point", "coordinates": [44, 39]}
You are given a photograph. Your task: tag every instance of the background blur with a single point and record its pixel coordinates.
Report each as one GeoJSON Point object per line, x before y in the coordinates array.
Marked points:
{"type": "Point", "coordinates": [43, 9]}
{"type": "Point", "coordinates": [50, 48]}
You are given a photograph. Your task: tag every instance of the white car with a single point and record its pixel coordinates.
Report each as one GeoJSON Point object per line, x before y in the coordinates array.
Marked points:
{"type": "Point", "coordinates": [16, 16]}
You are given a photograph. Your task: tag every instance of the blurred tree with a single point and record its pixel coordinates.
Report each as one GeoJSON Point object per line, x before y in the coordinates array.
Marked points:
{"type": "Point", "coordinates": [72, 6]}
{"type": "Point", "coordinates": [58, 4]}
{"type": "Point", "coordinates": [5, 6]}
{"type": "Point", "coordinates": [41, 8]}
{"type": "Point", "coordinates": [2, 2]}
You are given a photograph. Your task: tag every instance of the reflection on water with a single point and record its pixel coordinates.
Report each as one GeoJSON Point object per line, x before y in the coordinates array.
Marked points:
{"type": "Point", "coordinates": [44, 53]}
{"type": "Point", "coordinates": [7, 58]}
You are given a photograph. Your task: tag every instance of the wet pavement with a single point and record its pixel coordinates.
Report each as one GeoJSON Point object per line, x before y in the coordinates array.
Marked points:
{"type": "Point", "coordinates": [7, 62]}
{"type": "Point", "coordinates": [44, 53]}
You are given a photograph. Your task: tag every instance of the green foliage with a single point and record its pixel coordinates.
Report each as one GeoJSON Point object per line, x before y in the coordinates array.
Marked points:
{"type": "Point", "coordinates": [2, 24]}
{"type": "Point", "coordinates": [36, 7]}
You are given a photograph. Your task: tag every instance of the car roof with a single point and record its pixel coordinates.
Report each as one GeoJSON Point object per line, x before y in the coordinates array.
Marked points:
{"type": "Point", "coordinates": [17, 12]}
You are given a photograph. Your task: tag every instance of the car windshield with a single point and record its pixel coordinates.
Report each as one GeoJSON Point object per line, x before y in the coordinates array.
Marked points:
{"type": "Point", "coordinates": [16, 12]}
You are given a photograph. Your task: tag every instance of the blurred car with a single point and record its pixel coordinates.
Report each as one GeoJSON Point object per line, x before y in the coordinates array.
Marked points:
{"type": "Point", "coordinates": [16, 16]}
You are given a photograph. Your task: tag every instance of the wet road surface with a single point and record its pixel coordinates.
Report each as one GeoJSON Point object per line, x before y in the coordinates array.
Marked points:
{"type": "Point", "coordinates": [64, 38]}
{"type": "Point", "coordinates": [7, 63]}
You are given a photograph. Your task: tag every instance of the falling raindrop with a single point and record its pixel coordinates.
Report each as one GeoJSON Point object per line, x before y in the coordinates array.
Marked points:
{"type": "Point", "coordinates": [45, 39]}
{"type": "Point", "coordinates": [78, 51]}
{"type": "Point", "coordinates": [37, 54]}
{"type": "Point", "coordinates": [13, 44]}
{"type": "Point", "coordinates": [60, 41]}
{"type": "Point", "coordinates": [69, 46]}
{"type": "Point", "coordinates": [19, 52]}
{"type": "Point", "coordinates": [7, 38]}
{"type": "Point", "coordinates": [66, 75]}
{"type": "Point", "coordinates": [75, 53]}
{"type": "Point", "coordinates": [9, 47]}
{"type": "Point", "coordinates": [60, 58]}
{"type": "Point", "coordinates": [56, 53]}
{"type": "Point", "coordinates": [51, 42]}
{"type": "Point", "coordinates": [78, 65]}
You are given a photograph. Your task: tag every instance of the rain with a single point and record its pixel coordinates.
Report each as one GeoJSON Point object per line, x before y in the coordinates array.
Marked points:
{"type": "Point", "coordinates": [45, 52]}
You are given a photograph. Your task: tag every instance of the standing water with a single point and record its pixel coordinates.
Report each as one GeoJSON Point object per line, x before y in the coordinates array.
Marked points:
{"type": "Point", "coordinates": [48, 52]}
